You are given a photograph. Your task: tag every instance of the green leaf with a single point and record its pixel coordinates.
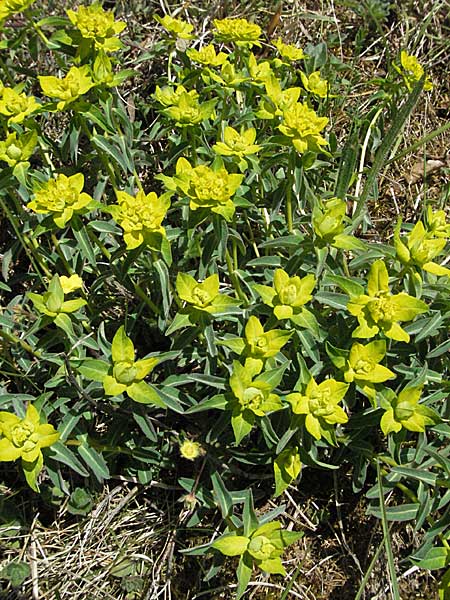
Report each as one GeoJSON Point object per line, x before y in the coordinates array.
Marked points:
{"type": "Point", "coordinates": [63, 454]}
{"type": "Point", "coordinates": [80, 502]}
{"type": "Point", "coordinates": [242, 424]}
{"type": "Point", "coordinates": [347, 285]}
{"type": "Point", "coordinates": [63, 322]}
{"type": "Point", "coordinates": [122, 347]}
{"type": "Point", "coordinates": [273, 377]}
{"type": "Point", "coordinates": [244, 574]}
{"type": "Point", "coordinates": [219, 401]}
{"type": "Point", "coordinates": [93, 459]}
{"type": "Point", "coordinates": [249, 517]}
{"type": "Point", "coordinates": [222, 495]}
{"type": "Point", "coordinates": [231, 545]}
{"type": "Point", "coordinates": [435, 558]}
{"type": "Point", "coordinates": [144, 393]}
{"type": "Point", "coordinates": [94, 369]}
{"type": "Point", "coordinates": [16, 572]}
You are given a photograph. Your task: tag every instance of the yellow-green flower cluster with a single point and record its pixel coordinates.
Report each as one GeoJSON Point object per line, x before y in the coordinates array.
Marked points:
{"type": "Point", "coordinates": [379, 310]}
{"type": "Point", "coordinates": [328, 223]}
{"type": "Point", "coordinates": [412, 71]}
{"type": "Point", "coordinates": [207, 56]}
{"type": "Point", "coordinates": [169, 96]}
{"type": "Point", "coordinates": [278, 101]}
{"type": "Point", "coordinates": [11, 7]}
{"type": "Point", "coordinates": [77, 82]}
{"type": "Point", "coordinates": [16, 105]}
{"type": "Point", "coordinates": [320, 404]}
{"type": "Point", "coordinates": [239, 31]}
{"type": "Point", "coordinates": [140, 217]}
{"type": "Point", "coordinates": [62, 197]}
{"type": "Point", "coordinates": [17, 148]}
{"type": "Point", "coordinates": [288, 51]}
{"type": "Point", "coordinates": [53, 303]}
{"type": "Point", "coordinates": [206, 187]}
{"type": "Point", "coordinates": [315, 84]}
{"type": "Point", "coordinates": [405, 411]}
{"type": "Point", "coordinates": [303, 126]}
{"type": "Point", "coordinates": [191, 450]}
{"type": "Point", "coordinates": [424, 243]}
{"type": "Point", "coordinates": [188, 111]}
{"type": "Point", "coordinates": [176, 27]}
{"type": "Point", "coordinates": [98, 25]}
{"type": "Point", "coordinates": [25, 438]}
{"type": "Point", "coordinates": [238, 144]}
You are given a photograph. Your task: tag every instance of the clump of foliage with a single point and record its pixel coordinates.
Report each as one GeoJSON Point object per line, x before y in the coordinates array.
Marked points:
{"type": "Point", "coordinates": [222, 282]}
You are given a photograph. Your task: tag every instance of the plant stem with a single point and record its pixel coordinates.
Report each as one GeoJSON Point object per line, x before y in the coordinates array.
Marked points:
{"type": "Point", "coordinates": [10, 337]}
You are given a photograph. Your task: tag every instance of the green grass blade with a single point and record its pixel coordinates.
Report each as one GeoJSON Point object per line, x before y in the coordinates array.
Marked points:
{"type": "Point", "coordinates": [387, 539]}
{"type": "Point", "coordinates": [384, 149]}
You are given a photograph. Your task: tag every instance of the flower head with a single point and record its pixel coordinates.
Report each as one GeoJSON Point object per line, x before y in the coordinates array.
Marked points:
{"type": "Point", "coordinates": [379, 310]}
{"type": "Point", "coordinates": [96, 24]}
{"type": "Point", "coordinates": [25, 438]}
{"type": "Point", "coordinates": [288, 51]}
{"type": "Point", "coordinates": [76, 82]}
{"type": "Point", "coordinates": [190, 450]}
{"type": "Point", "coordinates": [140, 217]}
{"type": "Point", "coordinates": [53, 303]}
{"type": "Point", "coordinates": [315, 84]}
{"type": "Point", "coordinates": [239, 31]}
{"type": "Point", "coordinates": [238, 144]}
{"type": "Point", "coordinates": [62, 197]}
{"type": "Point", "coordinates": [17, 148]}
{"type": "Point", "coordinates": [188, 111]}
{"type": "Point", "coordinates": [412, 71]}
{"type": "Point", "coordinates": [16, 105]}
{"type": "Point", "coordinates": [278, 100]}
{"type": "Point", "coordinates": [260, 344]}
{"type": "Point", "coordinates": [303, 126]}
{"type": "Point", "coordinates": [207, 56]}
{"type": "Point", "coordinates": [176, 27]}
{"type": "Point", "coordinates": [405, 411]}
{"type": "Point", "coordinates": [287, 467]}
{"type": "Point", "coordinates": [363, 366]}
{"type": "Point", "coordinates": [329, 221]}
{"type": "Point", "coordinates": [420, 247]}
{"type": "Point", "coordinates": [168, 96]}
{"type": "Point", "coordinates": [253, 393]}
{"type": "Point", "coordinates": [320, 404]}
{"type": "Point", "coordinates": [288, 294]}
{"type": "Point", "coordinates": [11, 7]}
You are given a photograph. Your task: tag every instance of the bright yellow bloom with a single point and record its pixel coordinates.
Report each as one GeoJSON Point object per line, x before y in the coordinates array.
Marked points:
{"type": "Point", "coordinates": [77, 82]}
{"type": "Point", "coordinates": [168, 96]}
{"type": "Point", "coordinates": [288, 51]}
{"type": "Point", "coordinates": [420, 248]}
{"type": "Point", "coordinates": [315, 84]}
{"type": "Point", "coordinates": [412, 71]}
{"type": "Point", "coordinates": [61, 196]}
{"type": "Point", "coordinates": [405, 411]}
{"type": "Point", "coordinates": [362, 366]}
{"type": "Point", "coordinates": [437, 225]}
{"type": "Point", "coordinates": [320, 405]}
{"type": "Point", "coordinates": [279, 101]}
{"type": "Point", "coordinates": [16, 105]}
{"type": "Point", "coordinates": [303, 126]}
{"type": "Point", "coordinates": [260, 72]}
{"type": "Point", "coordinates": [17, 148]}
{"type": "Point", "coordinates": [329, 221]}
{"type": "Point", "coordinates": [237, 144]}
{"type": "Point", "coordinates": [24, 438]}
{"type": "Point", "coordinates": [96, 24]}
{"type": "Point", "coordinates": [288, 294]}
{"type": "Point", "coordinates": [191, 450]}
{"type": "Point", "coordinates": [239, 31]}
{"type": "Point", "coordinates": [380, 310]}
{"type": "Point", "coordinates": [177, 27]}
{"type": "Point", "coordinates": [11, 7]}
{"type": "Point", "coordinates": [53, 304]}
{"type": "Point", "coordinates": [206, 187]}
{"type": "Point", "coordinates": [140, 217]}
{"type": "Point", "coordinates": [207, 56]}
{"type": "Point", "coordinates": [188, 111]}
{"type": "Point", "coordinates": [228, 77]}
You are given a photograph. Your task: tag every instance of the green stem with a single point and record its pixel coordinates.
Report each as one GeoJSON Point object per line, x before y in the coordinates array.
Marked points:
{"type": "Point", "coordinates": [13, 339]}
{"type": "Point", "coordinates": [289, 189]}
{"type": "Point", "coordinates": [234, 279]}
{"type": "Point", "coordinates": [101, 154]}
{"type": "Point", "coordinates": [143, 296]}
{"type": "Point", "coordinates": [60, 253]}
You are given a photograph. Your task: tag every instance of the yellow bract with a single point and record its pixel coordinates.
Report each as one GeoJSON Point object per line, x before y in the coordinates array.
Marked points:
{"type": "Point", "coordinates": [412, 71]}
{"type": "Point", "coordinates": [168, 96]}
{"type": "Point", "coordinates": [288, 51]}
{"type": "Point", "coordinates": [188, 111]}
{"type": "Point", "coordinates": [140, 216]}
{"type": "Point", "coordinates": [315, 84]}
{"type": "Point", "coordinates": [239, 31]}
{"type": "Point", "coordinates": [207, 56]}
{"type": "Point", "coordinates": [61, 196]}
{"type": "Point", "coordinates": [77, 82]}
{"type": "Point", "coordinates": [191, 450]}
{"type": "Point", "coordinates": [303, 126]}
{"type": "Point", "coordinates": [17, 148]}
{"type": "Point", "coordinates": [96, 24]}
{"type": "Point", "coordinates": [11, 7]}
{"type": "Point", "coordinates": [237, 144]}
{"type": "Point", "coordinates": [16, 105]}
{"type": "Point", "coordinates": [177, 27]}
